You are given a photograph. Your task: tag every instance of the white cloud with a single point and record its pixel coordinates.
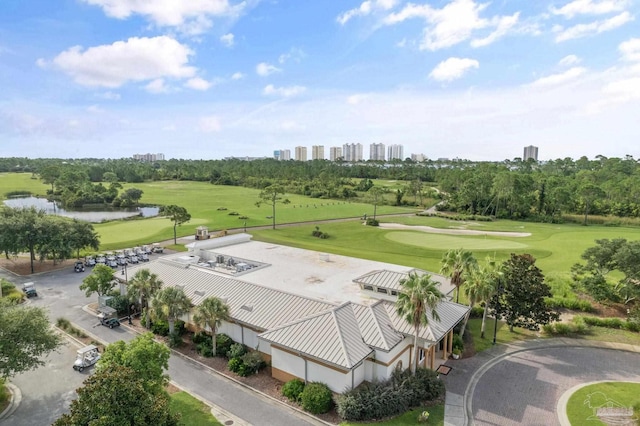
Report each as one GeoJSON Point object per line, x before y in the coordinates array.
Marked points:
{"type": "Point", "coordinates": [558, 79]}
{"type": "Point", "coordinates": [110, 96]}
{"type": "Point", "coordinates": [357, 98]}
{"type": "Point", "coordinates": [365, 9]}
{"type": "Point", "coordinates": [293, 54]}
{"type": "Point", "coordinates": [596, 27]}
{"type": "Point", "coordinates": [503, 26]}
{"type": "Point", "coordinates": [291, 126]}
{"type": "Point", "coordinates": [264, 69]}
{"type": "Point", "coordinates": [198, 83]}
{"type": "Point", "coordinates": [237, 76]}
{"type": "Point", "coordinates": [453, 68]}
{"type": "Point", "coordinates": [569, 60]}
{"type": "Point", "coordinates": [157, 86]}
{"type": "Point", "coordinates": [192, 15]}
{"type": "Point", "coordinates": [590, 7]}
{"type": "Point", "coordinates": [228, 39]}
{"type": "Point", "coordinates": [630, 49]}
{"type": "Point", "coordinates": [95, 109]}
{"type": "Point", "coordinates": [136, 59]}
{"type": "Point", "coordinates": [454, 23]}
{"type": "Point", "coordinates": [285, 92]}
{"type": "Point", "coordinates": [210, 124]}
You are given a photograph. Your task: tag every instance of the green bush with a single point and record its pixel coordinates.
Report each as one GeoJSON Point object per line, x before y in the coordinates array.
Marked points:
{"type": "Point", "coordinates": [316, 398]}
{"type": "Point", "coordinates": [390, 397]}
{"type": "Point", "coordinates": [15, 297]}
{"type": "Point", "coordinates": [234, 365]}
{"type": "Point", "coordinates": [175, 339]}
{"type": "Point", "coordinates": [7, 287]}
{"type": "Point", "coordinates": [563, 329]}
{"type": "Point", "coordinates": [236, 350]}
{"type": "Point", "coordinates": [63, 323]}
{"type": "Point", "coordinates": [223, 344]}
{"type": "Point", "coordinates": [568, 303]}
{"type": "Point", "coordinates": [457, 342]}
{"type": "Point", "coordinates": [160, 327]}
{"type": "Point", "coordinates": [119, 303]}
{"type": "Point", "coordinates": [201, 337]}
{"type": "Point", "coordinates": [373, 222]}
{"type": "Point", "coordinates": [477, 311]}
{"type": "Point", "coordinates": [205, 349]}
{"type": "Point", "coordinates": [293, 389]}
{"type": "Point", "coordinates": [253, 361]}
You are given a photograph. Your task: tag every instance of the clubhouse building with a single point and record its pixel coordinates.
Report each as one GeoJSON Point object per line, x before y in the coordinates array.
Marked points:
{"type": "Point", "coordinates": [313, 316]}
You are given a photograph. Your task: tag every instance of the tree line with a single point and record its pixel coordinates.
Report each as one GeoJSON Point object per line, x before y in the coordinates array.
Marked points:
{"type": "Point", "coordinates": [28, 230]}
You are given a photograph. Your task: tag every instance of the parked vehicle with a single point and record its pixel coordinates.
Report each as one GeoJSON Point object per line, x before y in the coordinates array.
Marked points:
{"type": "Point", "coordinates": [110, 322]}
{"type": "Point", "coordinates": [137, 251]}
{"type": "Point", "coordinates": [147, 249]}
{"type": "Point", "coordinates": [144, 257]}
{"type": "Point", "coordinates": [113, 263]}
{"type": "Point", "coordinates": [79, 266]}
{"type": "Point", "coordinates": [133, 259]}
{"type": "Point", "coordinates": [122, 261]}
{"type": "Point", "coordinates": [29, 289]}
{"type": "Point", "coordinates": [157, 248]}
{"type": "Point", "coordinates": [86, 357]}
{"type": "Point", "coordinates": [89, 261]}
{"type": "Point", "coordinates": [101, 259]}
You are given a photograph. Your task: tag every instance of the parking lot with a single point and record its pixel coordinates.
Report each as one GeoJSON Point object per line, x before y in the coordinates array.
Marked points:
{"type": "Point", "coordinates": [48, 391]}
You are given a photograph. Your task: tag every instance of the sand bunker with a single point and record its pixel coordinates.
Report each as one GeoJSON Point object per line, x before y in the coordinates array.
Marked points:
{"type": "Point", "coordinates": [453, 231]}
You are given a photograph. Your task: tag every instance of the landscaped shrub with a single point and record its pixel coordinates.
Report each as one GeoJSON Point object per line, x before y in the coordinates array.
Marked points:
{"type": "Point", "coordinates": [457, 342]}
{"type": "Point", "coordinates": [373, 222]}
{"type": "Point", "coordinates": [316, 398]}
{"type": "Point", "coordinates": [205, 349]}
{"type": "Point", "coordinates": [477, 311]}
{"type": "Point", "coordinates": [175, 339]}
{"type": "Point", "coordinates": [390, 397]}
{"type": "Point", "coordinates": [234, 364]}
{"type": "Point", "coordinates": [7, 287]}
{"type": "Point", "coordinates": [201, 337]}
{"type": "Point", "coordinates": [253, 362]}
{"type": "Point", "coordinates": [119, 303]}
{"type": "Point", "coordinates": [63, 323]}
{"type": "Point", "coordinates": [160, 327]}
{"type": "Point", "coordinates": [236, 350]}
{"type": "Point", "coordinates": [15, 297]}
{"type": "Point", "coordinates": [577, 326]}
{"type": "Point", "coordinates": [223, 344]}
{"type": "Point", "coordinates": [293, 389]}
{"type": "Point", "coordinates": [573, 304]}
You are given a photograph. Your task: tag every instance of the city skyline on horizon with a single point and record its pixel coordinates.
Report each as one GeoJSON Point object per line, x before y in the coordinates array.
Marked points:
{"type": "Point", "coordinates": [221, 78]}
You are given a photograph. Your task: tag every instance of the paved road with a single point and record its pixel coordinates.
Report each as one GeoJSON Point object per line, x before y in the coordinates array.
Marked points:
{"type": "Point", "coordinates": [521, 384]}
{"type": "Point", "coordinates": [59, 292]}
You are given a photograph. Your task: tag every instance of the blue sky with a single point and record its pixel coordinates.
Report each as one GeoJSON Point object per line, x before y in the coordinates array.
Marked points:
{"type": "Point", "coordinates": [207, 79]}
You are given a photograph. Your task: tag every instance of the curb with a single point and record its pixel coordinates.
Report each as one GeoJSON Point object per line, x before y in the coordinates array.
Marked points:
{"type": "Point", "coordinates": [14, 400]}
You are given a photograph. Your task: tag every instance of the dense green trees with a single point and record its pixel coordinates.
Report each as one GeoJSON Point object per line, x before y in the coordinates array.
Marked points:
{"type": "Point", "coordinates": [100, 281]}
{"type": "Point", "coordinates": [25, 337]}
{"type": "Point", "coordinates": [28, 230]}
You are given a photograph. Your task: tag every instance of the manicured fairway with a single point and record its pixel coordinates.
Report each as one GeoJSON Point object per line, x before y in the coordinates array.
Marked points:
{"type": "Point", "coordinates": [581, 407]}
{"type": "Point", "coordinates": [444, 242]}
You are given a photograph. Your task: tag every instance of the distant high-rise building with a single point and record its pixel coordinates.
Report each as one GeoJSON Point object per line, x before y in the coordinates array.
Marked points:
{"type": "Point", "coordinates": [282, 154]}
{"type": "Point", "coordinates": [317, 152]}
{"type": "Point", "coordinates": [418, 158]}
{"type": "Point", "coordinates": [376, 152]}
{"type": "Point", "coordinates": [335, 152]}
{"type": "Point", "coordinates": [301, 153]}
{"type": "Point", "coordinates": [148, 158]}
{"type": "Point", "coordinates": [352, 152]}
{"type": "Point", "coordinates": [396, 152]}
{"type": "Point", "coordinates": [530, 152]}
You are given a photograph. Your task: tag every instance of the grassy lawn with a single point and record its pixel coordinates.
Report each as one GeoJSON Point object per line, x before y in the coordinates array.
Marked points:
{"type": "Point", "coordinates": [611, 335]}
{"type": "Point", "coordinates": [503, 335]}
{"type": "Point", "coordinates": [436, 417]}
{"type": "Point", "coordinates": [580, 407]}
{"type": "Point", "coordinates": [194, 412]}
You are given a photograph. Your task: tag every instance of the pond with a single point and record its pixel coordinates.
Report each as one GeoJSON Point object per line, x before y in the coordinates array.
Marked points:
{"type": "Point", "coordinates": [95, 213]}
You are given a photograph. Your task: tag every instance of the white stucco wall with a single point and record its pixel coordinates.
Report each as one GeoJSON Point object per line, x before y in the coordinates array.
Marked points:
{"type": "Point", "coordinates": [287, 362]}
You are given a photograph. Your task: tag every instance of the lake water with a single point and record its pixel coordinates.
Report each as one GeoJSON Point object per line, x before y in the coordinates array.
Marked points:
{"type": "Point", "coordinates": [95, 214]}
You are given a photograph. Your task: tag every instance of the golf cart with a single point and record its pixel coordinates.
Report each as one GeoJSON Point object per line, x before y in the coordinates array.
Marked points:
{"type": "Point", "coordinates": [107, 317]}
{"type": "Point", "coordinates": [29, 289]}
{"type": "Point", "coordinates": [79, 266]}
{"type": "Point", "coordinates": [86, 357]}
{"type": "Point", "coordinates": [157, 248]}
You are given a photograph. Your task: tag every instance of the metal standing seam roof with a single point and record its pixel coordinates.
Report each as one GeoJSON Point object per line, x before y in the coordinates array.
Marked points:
{"type": "Point", "coordinates": [450, 314]}
{"type": "Point", "coordinates": [332, 336]}
{"type": "Point", "coordinates": [376, 326]}
{"type": "Point", "coordinates": [257, 306]}
{"type": "Point", "coordinates": [391, 279]}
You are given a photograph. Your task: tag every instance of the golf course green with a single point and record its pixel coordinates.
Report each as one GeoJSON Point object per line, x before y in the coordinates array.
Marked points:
{"type": "Point", "coordinates": [445, 242]}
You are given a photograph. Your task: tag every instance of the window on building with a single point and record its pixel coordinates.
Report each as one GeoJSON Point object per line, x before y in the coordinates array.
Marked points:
{"type": "Point", "coordinates": [367, 287]}
{"type": "Point", "coordinates": [382, 290]}
{"type": "Point", "coordinates": [421, 355]}
{"type": "Point", "coordinates": [394, 293]}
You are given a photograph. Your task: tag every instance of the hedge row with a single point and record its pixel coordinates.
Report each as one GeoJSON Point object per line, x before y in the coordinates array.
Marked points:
{"type": "Point", "coordinates": [391, 397]}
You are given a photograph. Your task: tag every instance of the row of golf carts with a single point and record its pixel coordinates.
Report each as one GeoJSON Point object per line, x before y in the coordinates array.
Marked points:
{"type": "Point", "coordinates": [120, 257]}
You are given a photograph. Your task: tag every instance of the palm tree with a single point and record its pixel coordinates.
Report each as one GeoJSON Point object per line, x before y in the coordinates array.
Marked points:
{"type": "Point", "coordinates": [169, 304]}
{"type": "Point", "coordinates": [142, 287]}
{"type": "Point", "coordinates": [494, 274]}
{"type": "Point", "coordinates": [455, 264]}
{"type": "Point", "coordinates": [210, 313]}
{"type": "Point", "coordinates": [478, 288]}
{"type": "Point", "coordinates": [418, 294]}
